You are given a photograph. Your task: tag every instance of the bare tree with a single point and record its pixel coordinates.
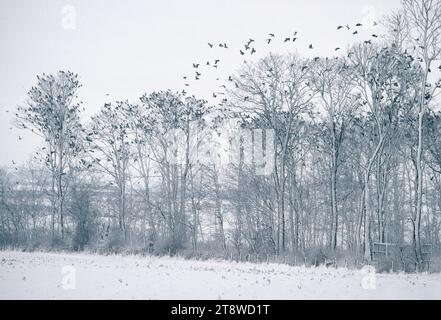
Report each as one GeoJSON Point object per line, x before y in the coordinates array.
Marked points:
{"type": "Point", "coordinates": [424, 17]}
{"type": "Point", "coordinates": [52, 113]}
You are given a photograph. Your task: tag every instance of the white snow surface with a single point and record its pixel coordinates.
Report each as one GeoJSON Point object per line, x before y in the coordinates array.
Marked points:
{"type": "Point", "coordinates": [38, 275]}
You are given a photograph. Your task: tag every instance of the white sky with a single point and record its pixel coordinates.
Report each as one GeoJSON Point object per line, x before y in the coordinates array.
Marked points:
{"type": "Point", "coordinates": [127, 48]}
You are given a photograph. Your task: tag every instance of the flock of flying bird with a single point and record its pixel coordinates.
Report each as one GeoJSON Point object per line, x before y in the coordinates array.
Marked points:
{"type": "Point", "coordinates": [249, 49]}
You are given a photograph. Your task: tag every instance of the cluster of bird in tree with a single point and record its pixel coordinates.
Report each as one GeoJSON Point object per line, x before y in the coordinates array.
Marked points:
{"type": "Point", "coordinates": [249, 49]}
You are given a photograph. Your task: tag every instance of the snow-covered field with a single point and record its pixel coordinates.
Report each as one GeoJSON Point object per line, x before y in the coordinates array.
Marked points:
{"type": "Point", "coordinates": [82, 276]}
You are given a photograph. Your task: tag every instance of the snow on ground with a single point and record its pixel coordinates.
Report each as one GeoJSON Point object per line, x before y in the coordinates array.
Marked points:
{"type": "Point", "coordinates": [81, 276]}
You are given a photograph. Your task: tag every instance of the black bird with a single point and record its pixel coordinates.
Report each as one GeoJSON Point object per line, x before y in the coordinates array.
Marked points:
{"type": "Point", "coordinates": [253, 50]}
{"type": "Point", "coordinates": [368, 42]}
{"type": "Point", "coordinates": [336, 49]}
{"type": "Point", "coordinates": [355, 32]}
{"type": "Point", "coordinates": [311, 47]}
{"type": "Point", "coordinates": [287, 39]}
{"type": "Point", "coordinates": [195, 65]}
{"type": "Point", "coordinates": [211, 46]}
{"type": "Point", "coordinates": [339, 27]}
{"type": "Point", "coordinates": [216, 61]}
{"type": "Point", "coordinates": [358, 25]}
{"type": "Point", "coordinates": [230, 78]}
{"type": "Point", "coordinates": [268, 41]}
{"type": "Point", "coordinates": [241, 52]}
{"type": "Point", "coordinates": [271, 35]}
{"type": "Point", "coordinates": [374, 36]}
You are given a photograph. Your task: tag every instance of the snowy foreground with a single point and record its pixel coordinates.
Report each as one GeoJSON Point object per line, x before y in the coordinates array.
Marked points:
{"type": "Point", "coordinates": [81, 276]}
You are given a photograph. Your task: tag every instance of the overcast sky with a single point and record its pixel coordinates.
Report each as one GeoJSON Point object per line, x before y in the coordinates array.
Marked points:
{"type": "Point", "coordinates": [122, 49]}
